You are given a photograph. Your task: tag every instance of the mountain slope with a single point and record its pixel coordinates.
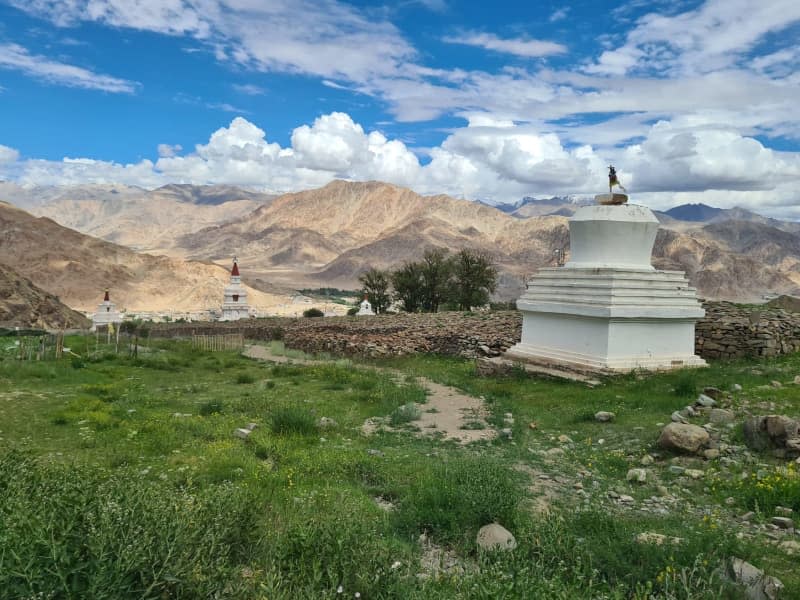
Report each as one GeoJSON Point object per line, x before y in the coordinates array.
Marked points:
{"type": "Point", "coordinates": [23, 304]}
{"type": "Point", "coordinates": [331, 235]}
{"type": "Point", "coordinates": [137, 218]}
{"type": "Point", "coordinates": [76, 268]}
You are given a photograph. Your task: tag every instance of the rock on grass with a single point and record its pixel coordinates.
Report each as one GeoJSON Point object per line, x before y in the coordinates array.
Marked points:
{"type": "Point", "coordinates": [682, 437]}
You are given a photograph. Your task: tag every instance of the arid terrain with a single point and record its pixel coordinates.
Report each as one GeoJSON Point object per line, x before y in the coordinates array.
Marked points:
{"type": "Point", "coordinates": [329, 236]}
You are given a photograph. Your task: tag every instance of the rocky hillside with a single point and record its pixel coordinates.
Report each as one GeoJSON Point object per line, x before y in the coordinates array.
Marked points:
{"type": "Point", "coordinates": [332, 234]}
{"type": "Point", "coordinates": [136, 218]}
{"type": "Point", "coordinates": [23, 304]}
{"type": "Point", "coordinates": [328, 236]}
{"type": "Point", "coordinates": [76, 268]}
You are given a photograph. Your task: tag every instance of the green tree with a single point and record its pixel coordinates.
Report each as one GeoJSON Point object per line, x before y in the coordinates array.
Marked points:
{"type": "Point", "coordinates": [436, 273]}
{"type": "Point", "coordinates": [474, 278]}
{"type": "Point", "coordinates": [375, 285]}
{"type": "Point", "coordinates": [408, 286]}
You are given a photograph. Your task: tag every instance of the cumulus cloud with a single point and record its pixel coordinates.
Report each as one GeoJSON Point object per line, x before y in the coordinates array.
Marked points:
{"type": "Point", "coordinates": [16, 57]}
{"type": "Point", "coordinates": [167, 150]}
{"type": "Point", "coordinates": [688, 159]}
{"type": "Point", "coordinates": [8, 155]}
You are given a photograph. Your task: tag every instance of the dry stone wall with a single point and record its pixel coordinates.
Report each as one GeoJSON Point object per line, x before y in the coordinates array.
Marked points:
{"type": "Point", "coordinates": [731, 331]}
{"type": "Point", "coordinates": [727, 331]}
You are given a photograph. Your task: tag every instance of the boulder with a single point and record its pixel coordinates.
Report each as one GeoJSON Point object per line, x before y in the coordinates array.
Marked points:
{"type": "Point", "coordinates": [704, 400]}
{"type": "Point", "coordinates": [637, 475]}
{"type": "Point", "coordinates": [757, 585]}
{"type": "Point", "coordinates": [683, 438]}
{"type": "Point", "coordinates": [495, 537]}
{"type": "Point", "coordinates": [781, 427]}
{"type": "Point", "coordinates": [326, 423]}
{"type": "Point", "coordinates": [755, 433]}
{"type": "Point", "coordinates": [604, 416]}
{"type": "Point", "coordinates": [721, 416]}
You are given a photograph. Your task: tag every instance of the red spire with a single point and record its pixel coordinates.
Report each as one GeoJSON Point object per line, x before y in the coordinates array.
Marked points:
{"type": "Point", "coordinates": [106, 298]}
{"type": "Point", "coordinates": [235, 270]}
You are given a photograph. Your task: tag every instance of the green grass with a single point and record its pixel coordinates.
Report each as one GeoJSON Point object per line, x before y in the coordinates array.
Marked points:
{"type": "Point", "coordinates": [122, 478]}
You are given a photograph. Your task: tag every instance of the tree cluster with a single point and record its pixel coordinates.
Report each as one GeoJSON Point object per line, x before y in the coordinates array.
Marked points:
{"type": "Point", "coordinates": [462, 280]}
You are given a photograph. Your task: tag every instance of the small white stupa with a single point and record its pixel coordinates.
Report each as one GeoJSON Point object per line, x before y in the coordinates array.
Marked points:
{"type": "Point", "coordinates": [607, 308]}
{"type": "Point", "coordinates": [106, 313]}
{"type": "Point", "coordinates": [366, 309]}
{"type": "Point", "coordinates": [234, 302]}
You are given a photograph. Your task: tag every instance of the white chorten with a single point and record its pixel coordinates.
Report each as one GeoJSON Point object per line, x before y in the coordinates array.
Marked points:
{"type": "Point", "coordinates": [366, 309]}
{"type": "Point", "coordinates": [608, 309]}
{"type": "Point", "coordinates": [234, 302]}
{"type": "Point", "coordinates": [106, 313]}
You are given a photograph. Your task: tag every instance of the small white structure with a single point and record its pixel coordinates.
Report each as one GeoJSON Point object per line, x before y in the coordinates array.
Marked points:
{"type": "Point", "coordinates": [106, 313]}
{"type": "Point", "coordinates": [366, 309]}
{"type": "Point", "coordinates": [608, 309]}
{"type": "Point", "coordinates": [234, 302]}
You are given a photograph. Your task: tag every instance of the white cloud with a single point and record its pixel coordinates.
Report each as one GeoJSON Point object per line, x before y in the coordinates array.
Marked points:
{"type": "Point", "coordinates": [717, 35]}
{"type": "Point", "coordinates": [249, 89]}
{"type": "Point", "coordinates": [519, 47]}
{"type": "Point", "coordinates": [167, 150]}
{"type": "Point", "coordinates": [8, 155]}
{"type": "Point", "coordinates": [559, 14]}
{"type": "Point", "coordinates": [687, 159]}
{"type": "Point", "coordinates": [324, 38]}
{"type": "Point", "coordinates": [16, 57]}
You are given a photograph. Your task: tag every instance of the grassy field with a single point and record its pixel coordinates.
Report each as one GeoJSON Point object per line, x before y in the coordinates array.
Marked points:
{"type": "Point", "coordinates": [121, 477]}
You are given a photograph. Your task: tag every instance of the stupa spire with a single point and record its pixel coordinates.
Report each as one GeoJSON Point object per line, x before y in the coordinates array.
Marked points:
{"type": "Point", "coordinates": [235, 270]}
{"type": "Point", "coordinates": [106, 298]}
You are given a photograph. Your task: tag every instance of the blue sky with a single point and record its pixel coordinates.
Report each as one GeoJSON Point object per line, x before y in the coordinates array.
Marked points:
{"type": "Point", "coordinates": [693, 101]}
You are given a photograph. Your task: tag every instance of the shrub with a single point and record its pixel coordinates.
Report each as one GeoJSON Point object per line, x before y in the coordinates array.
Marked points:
{"type": "Point", "coordinates": [352, 311]}
{"type": "Point", "coordinates": [293, 419]}
{"type": "Point", "coordinates": [84, 532]}
{"type": "Point", "coordinates": [212, 407]}
{"type": "Point", "coordinates": [242, 378]}
{"type": "Point", "coordinates": [685, 385]}
{"type": "Point", "coordinates": [313, 312]}
{"type": "Point", "coordinates": [454, 499]}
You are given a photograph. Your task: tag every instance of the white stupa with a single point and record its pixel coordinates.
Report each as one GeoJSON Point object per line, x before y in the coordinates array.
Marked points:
{"type": "Point", "coordinates": [366, 309]}
{"type": "Point", "coordinates": [234, 302]}
{"type": "Point", "coordinates": [106, 313]}
{"type": "Point", "coordinates": [608, 309]}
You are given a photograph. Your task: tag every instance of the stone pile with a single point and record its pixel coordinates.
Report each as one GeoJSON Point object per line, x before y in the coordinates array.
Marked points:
{"type": "Point", "coordinates": [730, 331]}
{"type": "Point", "coordinates": [777, 433]}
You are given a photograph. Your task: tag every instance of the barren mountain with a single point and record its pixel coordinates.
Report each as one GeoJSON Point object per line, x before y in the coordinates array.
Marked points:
{"type": "Point", "coordinates": [76, 268]}
{"type": "Point", "coordinates": [137, 218]}
{"type": "Point", "coordinates": [331, 235]}
{"type": "Point", "coordinates": [328, 236]}
{"type": "Point", "coordinates": [23, 304]}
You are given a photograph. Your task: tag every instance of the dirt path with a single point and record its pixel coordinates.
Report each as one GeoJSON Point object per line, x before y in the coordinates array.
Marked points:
{"type": "Point", "coordinates": [448, 413]}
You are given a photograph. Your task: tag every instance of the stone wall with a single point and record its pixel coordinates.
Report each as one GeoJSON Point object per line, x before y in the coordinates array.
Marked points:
{"type": "Point", "coordinates": [731, 331]}
{"type": "Point", "coordinates": [449, 333]}
{"type": "Point", "coordinates": [727, 331]}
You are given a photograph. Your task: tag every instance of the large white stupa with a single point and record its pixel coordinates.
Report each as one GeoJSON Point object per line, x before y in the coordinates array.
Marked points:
{"type": "Point", "coordinates": [607, 308]}
{"type": "Point", "coordinates": [106, 313]}
{"type": "Point", "coordinates": [234, 302]}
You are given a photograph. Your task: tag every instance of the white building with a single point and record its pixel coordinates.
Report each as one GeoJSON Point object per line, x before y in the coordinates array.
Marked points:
{"type": "Point", "coordinates": [366, 309]}
{"type": "Point", "coordinates": [234, 302]}
{"type": "Point", "coordinates": [106, 313]}
{"type": "Point", "coordinates": [608, 309]}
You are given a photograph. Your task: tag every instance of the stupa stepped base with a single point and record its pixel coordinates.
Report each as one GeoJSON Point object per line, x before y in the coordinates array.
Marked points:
{"type": "Point", "coordinates": [608, 320]}
{"type": "Point", "coordinates": [600, 363]}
